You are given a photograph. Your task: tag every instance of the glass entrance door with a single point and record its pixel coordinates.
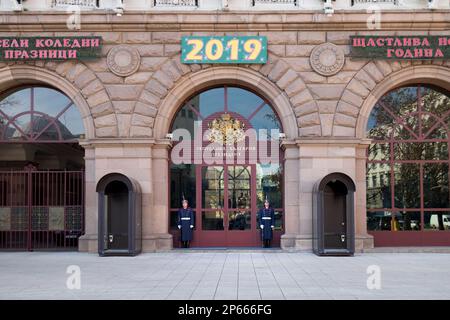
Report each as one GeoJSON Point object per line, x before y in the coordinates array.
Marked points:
{"type": "Point", "coordinates": [228, 215]}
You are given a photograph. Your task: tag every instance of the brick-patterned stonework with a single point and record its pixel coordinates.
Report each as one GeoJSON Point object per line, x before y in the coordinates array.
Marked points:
{"type": "Point", "coordinates": [128, 106]}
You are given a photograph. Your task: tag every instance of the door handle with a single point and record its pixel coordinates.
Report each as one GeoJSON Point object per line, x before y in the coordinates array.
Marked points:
{"type": "Point", "coordinates": [342, 237]}
{"type": "Point", "coordinates": [111, 238]}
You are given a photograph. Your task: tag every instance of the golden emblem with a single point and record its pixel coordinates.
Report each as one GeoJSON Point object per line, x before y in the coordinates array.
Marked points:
{"type": "Point", "coordinates": [226, 130]}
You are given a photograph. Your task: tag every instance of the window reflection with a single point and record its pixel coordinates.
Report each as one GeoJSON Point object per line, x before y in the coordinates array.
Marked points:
{"type": "Point", "coordinates": [393, 221]}
{"type": "Point", "coordinates": [436, 184]}
{"type": "Point", "coordinates": [213, 187]}
{"type": "Point", "coordinates": [182, 182]}
{"type": "Point", "coordinates": [269, 183]}
{"type": "Point", "coordinates": [212, 220]}
{"type": "Point", "coordinates": [410, 143]}
{"type": "Point", "coordinates": [407, 185]}
{"type": "Point", "coordinates": [39, 113]}
{"type": "Point", "coordinates": [229, 99]}
{"type": "Point", "coordinates": [379, 221]}
{"type": "Point", "coordinates": [437, 221]}
{"type": "Point", "coordinates": [242, 101]}
{"type": "Point", "coordinates": [240, 219]}
{"type": "Point", "coordinates": [378, 186]}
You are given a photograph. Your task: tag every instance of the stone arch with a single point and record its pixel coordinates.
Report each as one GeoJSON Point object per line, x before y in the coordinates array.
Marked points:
{"type": "Point", "coordinates": [76, 81]}
{"type": "Point", "coordinates": [431, 74]}
{"type": "Point", "coordinates": [224, 75]}
{"type": "Point", "coordinates": [276, 81]}
{"type": "Point", "coordinates": [371, 82]}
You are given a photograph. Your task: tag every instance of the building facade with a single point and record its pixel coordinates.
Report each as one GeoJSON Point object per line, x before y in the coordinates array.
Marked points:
{"type": "Point", "coordinates": [67, 123]}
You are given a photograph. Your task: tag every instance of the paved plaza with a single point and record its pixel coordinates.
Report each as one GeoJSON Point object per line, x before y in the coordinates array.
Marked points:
{"type": "Point", "coordinates": [247, 275]}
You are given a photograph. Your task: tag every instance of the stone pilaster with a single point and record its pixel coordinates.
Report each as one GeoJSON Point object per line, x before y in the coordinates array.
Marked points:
{"type": "Point", "coordinates": [363, 240]}
{"type": "Point", "coordinates": [291, 192]}
{"type": "Point", "coordinates": [155, 236]}
{"type": "Point", "coordinates": [89, 241]}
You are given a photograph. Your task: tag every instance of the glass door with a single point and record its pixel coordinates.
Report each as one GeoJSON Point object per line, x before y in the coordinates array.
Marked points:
{"type": "Point", "coordinates": [227, 216]}
{"type": "Point", "coordinates": [211, 217]}
{"type": "Point", "coordinates": [241, 206]}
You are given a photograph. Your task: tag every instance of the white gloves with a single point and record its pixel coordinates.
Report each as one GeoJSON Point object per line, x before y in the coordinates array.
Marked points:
{"type": "Point", "coordinates": [192, 227]}
{"type": "Point", "coordinates": [262, 226]}
{"type": "Point", "coordinates": [179, 227]}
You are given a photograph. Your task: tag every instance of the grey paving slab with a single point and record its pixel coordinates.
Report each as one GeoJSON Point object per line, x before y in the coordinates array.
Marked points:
{"type": "Point", "coordinates": [226, 275]}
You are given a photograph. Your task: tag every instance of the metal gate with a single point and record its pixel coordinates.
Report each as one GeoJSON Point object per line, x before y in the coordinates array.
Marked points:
{"type": "Point", "coordinates": [41, 210]}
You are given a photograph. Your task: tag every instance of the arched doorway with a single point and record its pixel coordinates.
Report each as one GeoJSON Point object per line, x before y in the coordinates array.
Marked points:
{"type": "Point", "coordinates": [408, 167]}
{"type": "Point", "coordinates": [41, 170]}
{"type": "Point", "coordinates": [119, 215]}
{"type": "Point", "coordinates": [226, 195]}
{"type": "Point", "coordinates": [333, 215]}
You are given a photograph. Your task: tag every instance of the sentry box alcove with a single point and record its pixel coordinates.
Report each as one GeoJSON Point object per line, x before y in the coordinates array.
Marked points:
{"type": "Point", "coordinates": [333, 216]}
{"type": "Point", "coordinates": [119, 216]}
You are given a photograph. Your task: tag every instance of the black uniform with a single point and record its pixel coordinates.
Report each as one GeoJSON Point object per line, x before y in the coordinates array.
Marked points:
{"type": "Point", "coordinates": [186, 219]}
{"type": "Point", "coordinates": [266, 219]}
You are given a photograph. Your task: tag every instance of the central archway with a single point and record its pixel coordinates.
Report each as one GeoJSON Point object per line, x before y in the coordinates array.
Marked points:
{"type": "Point", "coordinates": [226, 192]}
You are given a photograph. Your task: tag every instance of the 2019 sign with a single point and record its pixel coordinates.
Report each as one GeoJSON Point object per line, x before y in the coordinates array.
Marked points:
{"type": "Point", "coordinates": [226, 49]}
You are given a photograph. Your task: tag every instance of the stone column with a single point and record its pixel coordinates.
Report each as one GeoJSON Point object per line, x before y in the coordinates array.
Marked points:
{"type": "Point", "coordinates": [89, 241]}
{"type": "Point", "coordinates": [155, 230]}
{"type": "Point", "coordinates": [291, 194]}
{"type": "Point", "coordinates": [362, 239]}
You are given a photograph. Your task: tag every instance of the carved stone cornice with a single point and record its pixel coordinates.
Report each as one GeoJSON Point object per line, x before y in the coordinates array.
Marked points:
{"type": "Point", "coordinates": [47, 21]}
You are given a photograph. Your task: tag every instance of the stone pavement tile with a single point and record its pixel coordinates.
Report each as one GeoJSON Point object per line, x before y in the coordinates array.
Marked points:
{"type": "Point", "coordinates": [229, 275]}
{"type": "Point", "coordinates": [207, 284]}
{"type": "Point", "coordinates": [225, 297]}
{"type": "Point", "coordinates": [202, 296]}
{"type": "Point", "coordinates": [153, 296]}
{"type": "Point", "coordinates": [292, 291]}
{"type": "Point", "coordinates": [249, 296]}
{"type": "Point", "coordinates": [271, 294]}
{"type": "Point", "coordinates": [180, 294]}
{"type": "Point", "coordinates": [247, 282]}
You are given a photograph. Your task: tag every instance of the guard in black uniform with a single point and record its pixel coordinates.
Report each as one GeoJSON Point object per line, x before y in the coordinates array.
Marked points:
{"type": "Point", "coordinates": [266, 222]}
{"type": "Point", "coordinates": [186, 223]}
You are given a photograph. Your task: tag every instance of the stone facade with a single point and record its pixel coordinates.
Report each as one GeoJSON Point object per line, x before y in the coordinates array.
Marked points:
{"type": "Point", "coordinates": [127, 117]}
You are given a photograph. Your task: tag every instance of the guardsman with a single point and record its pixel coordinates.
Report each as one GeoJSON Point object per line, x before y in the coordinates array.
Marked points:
{"type": "Point", "coordinates": [186, 223]}
{"type": "Point", "coordinates": [266, 222]}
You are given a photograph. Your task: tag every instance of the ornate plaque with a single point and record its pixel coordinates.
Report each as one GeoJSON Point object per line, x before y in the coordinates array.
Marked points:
{"type": "Point", "coordinates": [327, 59]}
{"type": "Point", "coordinates": [5, 219]}
{"type": "Point", "coordinates": [56, 218]}
{"type": "Point", "coordinates": [123, 60]}
{"type": "Point", "coordinates": [226, 130]}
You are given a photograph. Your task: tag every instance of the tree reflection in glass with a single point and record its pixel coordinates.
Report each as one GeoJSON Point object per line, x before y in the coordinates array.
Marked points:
{"type": "Point", "coordinates": [409, 131]}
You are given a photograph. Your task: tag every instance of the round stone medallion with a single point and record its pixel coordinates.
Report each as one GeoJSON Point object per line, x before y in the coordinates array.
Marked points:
{"type": "Point", "coordinates": [123, 60]}
{"type": "Point", "coordinates": [327, 59]}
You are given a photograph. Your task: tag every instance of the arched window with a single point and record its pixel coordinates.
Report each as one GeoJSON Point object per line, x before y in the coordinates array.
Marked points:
{"type": "Point", "coordinates": [408, 162]}
{"type": "Point", "coordinates": [39, 114]}
{"type": "Point", "coordinates": [241, 103]}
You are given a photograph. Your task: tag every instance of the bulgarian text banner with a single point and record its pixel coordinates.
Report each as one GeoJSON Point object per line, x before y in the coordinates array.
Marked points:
{"type": "Point", "coordinates": [401, 47]}
{"type": "Point", "coordinates": [49, 48]}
